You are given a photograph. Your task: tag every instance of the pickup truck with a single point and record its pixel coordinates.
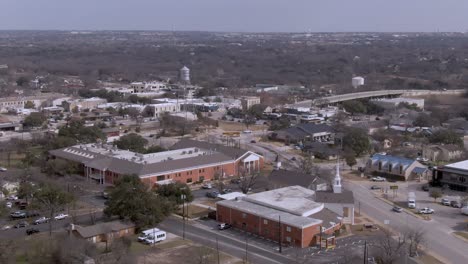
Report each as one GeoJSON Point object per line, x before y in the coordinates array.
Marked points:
{"type": "Point", "coordinates": [426, 211]}
{"type": "Point", "coordinates": [41, 220]}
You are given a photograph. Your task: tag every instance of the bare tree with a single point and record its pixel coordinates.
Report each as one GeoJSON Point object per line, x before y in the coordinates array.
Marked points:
{"type": "Point", "coordinates": [307, 166]}
{"type": "Point", "coordinates": [415, 237]}
{"type": "Point", "coordinates": [390, 249]}
{"type": "Point", "coordinates": [247, 180]}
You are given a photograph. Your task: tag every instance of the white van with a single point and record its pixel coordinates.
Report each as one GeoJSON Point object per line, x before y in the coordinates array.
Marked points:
{"type": "Point", "coordinates": [464, 210]}
{"type": "Point", "coordinates": [157, 237]}
{"type": "Point", "coordinates": [149, 232]}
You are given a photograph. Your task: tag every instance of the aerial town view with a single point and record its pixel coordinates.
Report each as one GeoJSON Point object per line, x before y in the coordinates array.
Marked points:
{"type": "Point", "coordinates": [233, 132]}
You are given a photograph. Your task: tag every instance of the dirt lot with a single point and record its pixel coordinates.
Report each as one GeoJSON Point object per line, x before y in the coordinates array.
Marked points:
{"type": "Point", "coordinates": [236, 126]}
{"type": "Point", "coordinates": [183, 251]}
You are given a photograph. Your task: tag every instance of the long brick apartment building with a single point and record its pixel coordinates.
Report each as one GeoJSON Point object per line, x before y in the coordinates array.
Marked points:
{"type": "Point", "coordinates": [188, 161]}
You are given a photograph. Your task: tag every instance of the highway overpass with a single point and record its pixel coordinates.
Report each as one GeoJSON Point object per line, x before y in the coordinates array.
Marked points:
{"type": "Point", "coordinates": [370, 94]}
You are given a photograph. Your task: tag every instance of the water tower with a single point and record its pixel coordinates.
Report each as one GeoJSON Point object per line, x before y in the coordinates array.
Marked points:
{"type": "Point", "coordinates": [357, 81]}
{"type": "Point", "coordinates": [185, 75]}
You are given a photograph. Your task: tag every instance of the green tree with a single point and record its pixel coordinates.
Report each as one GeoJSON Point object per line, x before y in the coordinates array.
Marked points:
{"type": "Point", "coordinates": [446, 137]}
{"type": "Point", "coordinates": [350, 158]}
{"type": "Point", "coordinates": [174, 191]}
{"type": "Point", "coordinates": [356, 139]}
{"type": "Point", "coordinates": [22, 81]}
{"type": "Point", "coordinates": [425, 120]}
{"type": "Point", "coordinates": [80, 133]}
{"type": "Point", "coordinates": [148, 111]}
{"type": "Point", "coordinates": [131, 199]}
{"type": "Point", "coordinates": [436, 194]}
{"type": "Point", "coordinates": [52, 199]}
{"type": "Point", "coordinates": [132, 142]}
{"type": "Point", "coordinates": [29, 105]}
{"type": "Point", "coordinates": [60, 167]}
{"type": "Point", "coordinates": [35, 119]}
{"type": "Point", "coordinates": [354, 107]}
{"type": "Point", "coordinates": [257, 110]}
{"type": "Point", "coordinates": [26, 190]}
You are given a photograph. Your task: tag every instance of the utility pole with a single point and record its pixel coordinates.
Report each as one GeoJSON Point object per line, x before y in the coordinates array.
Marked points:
{"type": "Point", "coordinates": [217, 248]}
{"type": "Point", "coordinates": [246, 250]}
{"type": "Point", "coordinates": [279, 234]}
{"type": "Point", "coordinates": [365, 251]}
{"type": "Point", "coordinates": [182, 196]}
{"type": "Point", "coordinates": [320, 242]}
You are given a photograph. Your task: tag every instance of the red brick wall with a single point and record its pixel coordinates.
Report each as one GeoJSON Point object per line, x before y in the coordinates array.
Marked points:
{"type": "Point", "coordinates": [269, 229]}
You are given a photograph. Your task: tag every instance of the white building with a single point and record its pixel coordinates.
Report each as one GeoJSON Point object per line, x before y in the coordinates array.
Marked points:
{"type": "Point", "coordinates": [185, 75]}
{"type": "Point", "coordinates": [165, 108]}
{"type": "Point", "coordinates": [145, 87]}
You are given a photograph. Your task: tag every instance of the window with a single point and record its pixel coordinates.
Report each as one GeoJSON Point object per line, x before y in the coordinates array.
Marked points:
{"type": "Point", "coordinates": [160, 178]}
{"type": "Point", "coordinates": [288, 229]}
{"type": "Point", "coordinates": [380, 165]}
{"type": "Point", "coordinates": [390, 167]}
{"type": "Point", "coordinates": [462, 179]}
{"type": "Point", "coordinates": [265, 222]}
{"type": "Point", "coordinates": [189, 180]}
{"type": "Point", "coordinates": [401, 169]}
{"type": "Point", "coordinates": [244, 215]}
{"type": "Point", "coordinates": [201, 178]}
{"type": "Point", "coordinates": [288, 239]}
{"type": "Point", "coordinates": [199, 171]}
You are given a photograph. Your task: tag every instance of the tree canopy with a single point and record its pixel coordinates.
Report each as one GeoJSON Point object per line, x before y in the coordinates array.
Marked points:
{"type": "Point", "coordinates": [76, 131]}
{"type": "Point", "coordinates": [35, 119]}
{"type": "Point", "coordinates": [174, 191]}
{"type": "Point", "coordinates": [131, 199]}
{"type": "Point", "coordinates": [132, 142]}
{"type": "Point", "coordinates": [356, 139]}
{"type": "Point", "coordinates": [446, 137]}
{"type": "Point", "coordinates": [425, 120]}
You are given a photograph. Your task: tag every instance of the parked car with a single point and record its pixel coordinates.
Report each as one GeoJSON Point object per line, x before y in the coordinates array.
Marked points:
{"type": "Point", "coordinates": [207, 186]}
{"type": "Point", "coordinates": [60, 216]}
{"type": "Point", "coordinates": [293, 158]}
{"type": "Point", "coordinates": [375, 187]}
{"type": "Point", "coordinates": [253, 141]}
{"type": "Point", "coordinates": [213, 194]}
{"type": "Point", "coordinates": [2, 169]}
{"type": "Point", "coordinates": [397, 209]}
{"type": "Point", "coordinates": [21, 224]}
{"type": "Point", "coordinates": [41, 220]}
{"type": "Point", "coordinates": [378, 179]}
{"type": "Point", "coordinates": [247, 131]}
{"type": "Point", "coordinates": [236, 180]}
{"type": "Point", "coordinates": [455, 204]}
{"type": "Point", "coordinates": [31, 231]}
{"type": "Point", "coordinates": [445, 201]}
{"type": "Point", "coordinates": [12, 198]}
{"type": "Point", "coordinates": [18, 214]}
{"type": "Point", "coordinates": [6, 227]}
{"type": "Point", "coordinates": [223, 226]}
{"type": "Point", "coordinates": [224, 191]}
{"type": "Point", "coordinates": [425, 188]}
{"type": "Point", "coordinates": [426, 210]}
{"type": "Point", "coordinates": [9, 204]}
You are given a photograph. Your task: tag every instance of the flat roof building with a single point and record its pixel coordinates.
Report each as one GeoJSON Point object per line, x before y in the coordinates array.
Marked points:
{"type": "Point", "coordinates": [454, 176]}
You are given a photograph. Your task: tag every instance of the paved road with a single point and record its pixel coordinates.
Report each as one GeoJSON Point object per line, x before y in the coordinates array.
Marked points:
{"type": "Point", "coordinates": [439, 239]}
{"type": "Point", "coordinates": [226, 243]}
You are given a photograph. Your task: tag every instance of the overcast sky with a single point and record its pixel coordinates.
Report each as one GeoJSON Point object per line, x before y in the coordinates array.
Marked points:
{"type": "Point", "coordinates": [237, 15]}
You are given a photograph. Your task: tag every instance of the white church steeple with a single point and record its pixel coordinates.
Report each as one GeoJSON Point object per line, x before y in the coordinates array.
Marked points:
{"type": "Point", "coordinates": [337, 180]}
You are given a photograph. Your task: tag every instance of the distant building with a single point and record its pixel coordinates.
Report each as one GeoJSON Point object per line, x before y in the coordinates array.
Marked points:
{"type": "Point", "coordinates": [162, 108]}
{"type": "Point", "coordinates": [303, 133]}
{"type": "Point", "coordinates": [249, 101]}
{"type": "Point", "coordinates": [145, 87]}
{"type": "Point", "coordinates": [17, 103]}
{"type": "Point", "coordinates": [395, 167]}
{"type": "Point", "coordinates": [454, 175]}
{"type": "Point", "coordinates": [282, 178]}
{"type": "Point", "coordinates": [82, 104]}
{"type": "Point", "coordinates": [437, 153]}
{"type": "Point", "coordinates": [392, 103]}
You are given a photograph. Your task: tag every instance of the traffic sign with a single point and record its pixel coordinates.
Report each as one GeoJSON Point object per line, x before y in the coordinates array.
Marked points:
{"type": "Point", "coordinates": [394, 187]}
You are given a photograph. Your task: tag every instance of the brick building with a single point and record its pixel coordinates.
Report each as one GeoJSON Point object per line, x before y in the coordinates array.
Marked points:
{"type": "Point", "coordinates": [290, 215]}
{"type": "Point", "coordinates": [188, 161]}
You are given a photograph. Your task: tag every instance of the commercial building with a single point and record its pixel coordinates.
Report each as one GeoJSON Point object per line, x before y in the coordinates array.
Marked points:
{"type": "Point", "coordinates": [82, 104]}
{"type": "Point", "coordinates": [17, 103]}
{"type": "Point", "coordinates": [165, 108]}
{"type": "Point", "coordinates": [437, 153]}
{"type": "Point", "coordinates": [454, 175]}
{"type": "Point", "coordinates": [145, 87]}
{"type": "Point", "coordinates": [395, 167]}
{"type": "Point", "coordinates": [249, 101]}
{"type": "Point", "coordinates": [188, 161]}
{"type": "Point", "coordinates": [294, 215]}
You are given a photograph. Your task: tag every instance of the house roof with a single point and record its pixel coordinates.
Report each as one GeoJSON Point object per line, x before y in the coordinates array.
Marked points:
{"type": "Point", "coordinates": [288, 178]}
{"type": "Point", "coordinates": [345, 197]}
{"type": "Point", "coordinates": [231, 152]}
{"type": "Point", "coordinates": [462, 165]}
{"type": "Point", "coordinates": [394, 160]}
{"type": "Point", "coordinates": [328, 217]}
{"type": "Point", "coordinates": [304, 130]}
{"type": "Point", "coordinates": [102, 228]}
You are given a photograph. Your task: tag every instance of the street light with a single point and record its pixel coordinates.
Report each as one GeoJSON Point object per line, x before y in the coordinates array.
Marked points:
{"type": "Point", "coordinates": [183, 197]}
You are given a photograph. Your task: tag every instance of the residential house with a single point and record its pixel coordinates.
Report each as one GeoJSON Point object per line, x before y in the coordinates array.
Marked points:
{"type": "Point", "coordinates": [303, 133]}
{"type": "Point", "coordinates": [283, 178]}
{"type": "Point", "coordinates": [322, 151]}
{"type": "Point", "coordinates": [395, 167]}
{"type": "Point", "coordinates": [437, 153]}
{"type": "Point", "coordinates": [103, 232]}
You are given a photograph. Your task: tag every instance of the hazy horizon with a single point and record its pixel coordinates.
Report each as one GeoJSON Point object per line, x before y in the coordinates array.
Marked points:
{"type": "Point", "coordinates": [236, 16]}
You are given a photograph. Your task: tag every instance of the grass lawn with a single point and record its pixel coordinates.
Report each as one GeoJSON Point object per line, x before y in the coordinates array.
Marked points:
{"type": "Point", "coordinates": [429, 259]}
{"type": "Point", "coordinates": [195, 211]}
{"type": "Point", "coordinates": [462, 234]}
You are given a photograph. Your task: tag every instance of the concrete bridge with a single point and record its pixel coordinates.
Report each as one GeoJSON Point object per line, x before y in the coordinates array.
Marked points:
{"type": "Point", "coordinates": [370, 94]}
